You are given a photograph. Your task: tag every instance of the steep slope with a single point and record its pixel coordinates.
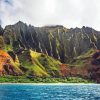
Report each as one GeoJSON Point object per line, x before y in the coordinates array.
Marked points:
{"type": "Point", "coordinates": [38, 64]}
{"type": "Point", "coordinates": [31, 63]}
{"type": "Point", "coordinates": [56, 41]}
{"type": "Point", "coordinates": [87, 65]}
{"type": "Point", "coordinates": [7, 65]}
{"type": "Point", "coordinates": [28, 63]}
{"type": "Point", "coordinates": [50, 51]}
{"type": "Point", "coordinates": [95, 67]}
{"type": "Point", "coordinates": [1, 30]}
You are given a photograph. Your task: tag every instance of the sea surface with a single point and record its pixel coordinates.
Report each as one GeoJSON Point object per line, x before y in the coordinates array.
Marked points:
{"type": "Point", "coordinates": [49, 91]}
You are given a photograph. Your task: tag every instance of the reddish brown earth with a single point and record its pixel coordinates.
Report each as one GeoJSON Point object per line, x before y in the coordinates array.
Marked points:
{"type": "Point", "coordinates": [95, 67]}
{"type": "Point", "coordinates": [65, 70]}
{"type": "Point", "coordinates": [7, 65]}
{"type": "Point", "coordinates": [89, 70]}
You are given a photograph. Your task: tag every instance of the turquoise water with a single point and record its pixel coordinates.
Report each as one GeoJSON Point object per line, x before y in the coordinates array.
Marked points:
{"type": "Point", "coordinates": [49, 92]}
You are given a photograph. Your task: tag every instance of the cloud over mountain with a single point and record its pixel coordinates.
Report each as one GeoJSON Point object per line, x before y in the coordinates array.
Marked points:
{"type": "Point", "coordinates": [70, 13]}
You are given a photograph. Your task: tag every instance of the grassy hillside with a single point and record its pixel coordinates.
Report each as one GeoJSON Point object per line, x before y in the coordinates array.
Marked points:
{"type": "Point", "coordinates": [38, 64]}
{"type": "Point", "coordinates": [7, 65]}
{"type": "Point", "coordinates": [49, 52]}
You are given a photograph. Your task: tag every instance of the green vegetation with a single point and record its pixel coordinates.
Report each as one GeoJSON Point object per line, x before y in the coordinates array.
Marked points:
{"type": "Point", "coordinates": [28, 50]}
{"type": "Point", "coordinates": [2, 42]}
{"type": "Point", "coordinates": [8, 47]}
{"type": "Point", "coordinates": [23, 79]}
{"type": "Point", "coordinates": [89, 53]}
{"type": "Point", "coordinates": [39, 64]}
{"type": "Point", "coordinates": [80, 60]}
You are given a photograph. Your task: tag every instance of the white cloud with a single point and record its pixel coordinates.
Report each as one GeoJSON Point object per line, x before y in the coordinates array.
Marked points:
{"type": "Point", "coordinates": [70, 13]}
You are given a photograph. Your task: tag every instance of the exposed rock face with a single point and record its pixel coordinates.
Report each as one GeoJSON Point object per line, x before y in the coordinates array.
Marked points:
{"type": "Point", "coordinates": [7, 65]}
{"type": "Point", "coordinates": [56, 41]}
{"type": "Point", "coordinates": [37, 51]}
{"type": "Point", "coordinates": [1, 30]}
{"type": "Point", "coordinates": [90, 67]}
{"type": "Point", "coordinates": [95, 68]}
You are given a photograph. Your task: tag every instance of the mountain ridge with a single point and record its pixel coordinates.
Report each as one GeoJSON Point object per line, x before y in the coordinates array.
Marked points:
{"type": "Point", "coordinates": [56, 37]}
{"type": "Point", "coordinates": [52, 51]}
{"type": "Point", "coordinates": [53, 25]}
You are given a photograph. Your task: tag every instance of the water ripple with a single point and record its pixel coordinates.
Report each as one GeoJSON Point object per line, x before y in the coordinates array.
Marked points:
{"type": "Point", "coordinates": [49, 92]}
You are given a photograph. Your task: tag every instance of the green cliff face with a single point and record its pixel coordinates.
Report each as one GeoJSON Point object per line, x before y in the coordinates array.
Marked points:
{"type": "Point", "coordinates": [56, 41]}
{"type": "Point", "coordinates": [50, 51]}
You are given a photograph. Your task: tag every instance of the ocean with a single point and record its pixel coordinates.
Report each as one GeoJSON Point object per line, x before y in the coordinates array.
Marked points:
{"type": "Point", "coordinates": [49, 91]}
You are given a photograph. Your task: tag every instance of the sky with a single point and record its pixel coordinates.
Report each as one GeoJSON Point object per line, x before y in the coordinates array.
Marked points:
{"type": "Point", "coordinates": [69, 13]}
